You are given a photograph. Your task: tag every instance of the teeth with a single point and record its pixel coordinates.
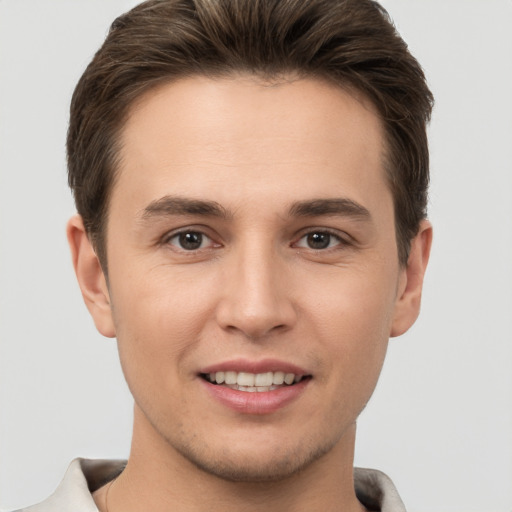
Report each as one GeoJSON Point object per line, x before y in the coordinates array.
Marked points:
{"type": "Point", "coordinates": [254, 381]}
{"type": "Point", "coordinates": [278, 378]}
{"type": "Point", "coordinates": [229, 377]}
{"type": "Point", "coordinates": [245, 379]}
{"type": "Point", "coordinates": [253, 389]}
{"type": "Point", "coordinates": [289, 378]}
{"type": "Point", "coordinates": [264, 379]}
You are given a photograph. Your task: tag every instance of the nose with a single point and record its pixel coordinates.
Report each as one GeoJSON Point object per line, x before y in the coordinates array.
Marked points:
{"type": "Point", "coordinates": [258, 297]}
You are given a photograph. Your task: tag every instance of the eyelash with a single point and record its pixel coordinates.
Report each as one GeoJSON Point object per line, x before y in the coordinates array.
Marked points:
{"type": "Point", "coordinates": [341, 241]}
{"type": "Point", "coordinates": [188, 231]}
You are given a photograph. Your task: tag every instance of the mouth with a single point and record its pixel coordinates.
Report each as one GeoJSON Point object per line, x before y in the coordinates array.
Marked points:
{"type": "Point", "coordinates": [254, 382]}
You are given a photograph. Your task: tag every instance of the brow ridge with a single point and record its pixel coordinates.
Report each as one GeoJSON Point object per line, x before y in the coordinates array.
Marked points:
{"type": "Point", "coordinates": [329, 206]}
{"type": "Point", "coordinates": [178, 205]}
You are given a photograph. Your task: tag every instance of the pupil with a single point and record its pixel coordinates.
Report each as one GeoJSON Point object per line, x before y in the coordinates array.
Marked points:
{"type": "Point", "coordinates": [191, 241]}
{"type": "Point", "coordinates": [319, 240]}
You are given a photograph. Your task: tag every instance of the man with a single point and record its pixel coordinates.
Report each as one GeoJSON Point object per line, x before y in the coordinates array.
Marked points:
{"type": "Point", "coordinates": [251, 181]}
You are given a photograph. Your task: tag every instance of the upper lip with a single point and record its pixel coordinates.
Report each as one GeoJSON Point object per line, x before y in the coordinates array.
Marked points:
{"type": "Point", "coordinates": [262, 366]}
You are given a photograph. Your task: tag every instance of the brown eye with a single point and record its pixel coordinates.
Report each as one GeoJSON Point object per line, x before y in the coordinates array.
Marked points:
{"type": "Point", "coordinates": [190, 240]}
{"type": "Point", "coordinates": [319, 240]}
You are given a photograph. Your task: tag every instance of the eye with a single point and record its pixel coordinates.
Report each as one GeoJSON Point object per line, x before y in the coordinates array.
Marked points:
{"type": "Point", "coordinates": [190, 240]}
{"type": "Point", "coordinates": [319, 240]}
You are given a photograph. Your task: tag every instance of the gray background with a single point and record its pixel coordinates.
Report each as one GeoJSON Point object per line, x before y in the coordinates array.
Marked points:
{"type": "Point", "coordinates": [440, 422]}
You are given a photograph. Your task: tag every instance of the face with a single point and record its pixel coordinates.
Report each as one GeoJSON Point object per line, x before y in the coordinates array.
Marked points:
{"type": "Point", "coordinates": [253, 270]}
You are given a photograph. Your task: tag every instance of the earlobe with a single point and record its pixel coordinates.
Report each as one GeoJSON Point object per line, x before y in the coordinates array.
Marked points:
{"type": "Point", "coordinates": [408, 303]}
{"type": "Point", "coordinates": [91, 278]}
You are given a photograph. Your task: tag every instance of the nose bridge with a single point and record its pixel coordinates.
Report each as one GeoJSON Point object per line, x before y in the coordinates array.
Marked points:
{"type": "Point", "coordinates": [256, 300]}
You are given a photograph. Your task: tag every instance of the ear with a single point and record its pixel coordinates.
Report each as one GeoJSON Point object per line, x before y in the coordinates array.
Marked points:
{"type": "Point", "coordinates": [90, 277]}
{"type": "Point", "coordinates": [407, 307]}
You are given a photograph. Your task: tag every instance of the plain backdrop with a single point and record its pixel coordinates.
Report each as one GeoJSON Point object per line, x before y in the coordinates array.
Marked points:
{"type": "Point", "coordinates": [440, 422]}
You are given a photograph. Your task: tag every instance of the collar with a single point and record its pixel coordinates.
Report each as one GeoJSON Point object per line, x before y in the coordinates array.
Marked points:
{"type": "Point", "coordinates": [374, 489]}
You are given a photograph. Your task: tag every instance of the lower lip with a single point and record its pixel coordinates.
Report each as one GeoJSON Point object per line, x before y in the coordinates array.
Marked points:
{"type": "Point", "coordinates": [264, 402]}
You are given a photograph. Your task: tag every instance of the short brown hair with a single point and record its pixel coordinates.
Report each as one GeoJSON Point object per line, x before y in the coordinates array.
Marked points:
{"type": "Point", "coordinates": [352, 43]}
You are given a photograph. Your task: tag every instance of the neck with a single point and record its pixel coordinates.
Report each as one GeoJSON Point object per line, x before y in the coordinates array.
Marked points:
{"type": "Point", "coordinates": [159, 478]}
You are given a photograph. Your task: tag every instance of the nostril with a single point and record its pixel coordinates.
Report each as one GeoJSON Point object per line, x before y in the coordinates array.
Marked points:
{"type": "Point", "coordinates": [255, 306]}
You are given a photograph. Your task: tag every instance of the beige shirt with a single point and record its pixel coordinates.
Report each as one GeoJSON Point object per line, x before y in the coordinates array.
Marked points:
{"type": "Point", "coordinates": [373, 488]}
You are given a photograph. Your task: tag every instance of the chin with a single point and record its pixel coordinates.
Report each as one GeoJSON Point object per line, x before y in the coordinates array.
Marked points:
{"type": "Point", "coordinates": [253, 465]}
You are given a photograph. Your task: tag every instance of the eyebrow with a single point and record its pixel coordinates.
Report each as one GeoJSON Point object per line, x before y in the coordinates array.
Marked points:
{"type": "Point", "coordinates": [335, 206]}
{"type": "Point", "coordinates": [176, 205]}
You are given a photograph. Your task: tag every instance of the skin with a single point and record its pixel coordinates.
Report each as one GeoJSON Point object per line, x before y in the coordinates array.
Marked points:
{"type": "Point", "coordinates": [254, 289]}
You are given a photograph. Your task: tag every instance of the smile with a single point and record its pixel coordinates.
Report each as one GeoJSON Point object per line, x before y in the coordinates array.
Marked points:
{"type": "Point", "coordinates": [253, 382]}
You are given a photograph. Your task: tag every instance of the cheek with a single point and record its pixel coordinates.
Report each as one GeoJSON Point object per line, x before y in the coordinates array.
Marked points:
{"type": "Point", "coordinates": [353, 320]}
{"type": "Point", "coordinates": [354, 304]}
{"type": "Point", "coordinates": [158, 323]}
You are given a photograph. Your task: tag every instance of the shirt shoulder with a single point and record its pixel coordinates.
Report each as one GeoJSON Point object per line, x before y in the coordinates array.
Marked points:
{"type": "Point", "coordinates": [82, 477]}
{"type": "Point", "coordinates": [376, 491]}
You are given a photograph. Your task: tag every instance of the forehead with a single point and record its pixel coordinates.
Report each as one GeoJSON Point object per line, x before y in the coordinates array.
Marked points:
{"type": "Point", "coordinates": [296, 138]}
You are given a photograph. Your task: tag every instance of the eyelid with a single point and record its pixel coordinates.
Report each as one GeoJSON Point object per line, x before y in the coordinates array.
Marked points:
{"type": "Point", "coordinates": [343, 238]}
{"type": "Point", "coordinates": [167, 237]}
{"type": "Point", "coordinates": [206, 241]}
